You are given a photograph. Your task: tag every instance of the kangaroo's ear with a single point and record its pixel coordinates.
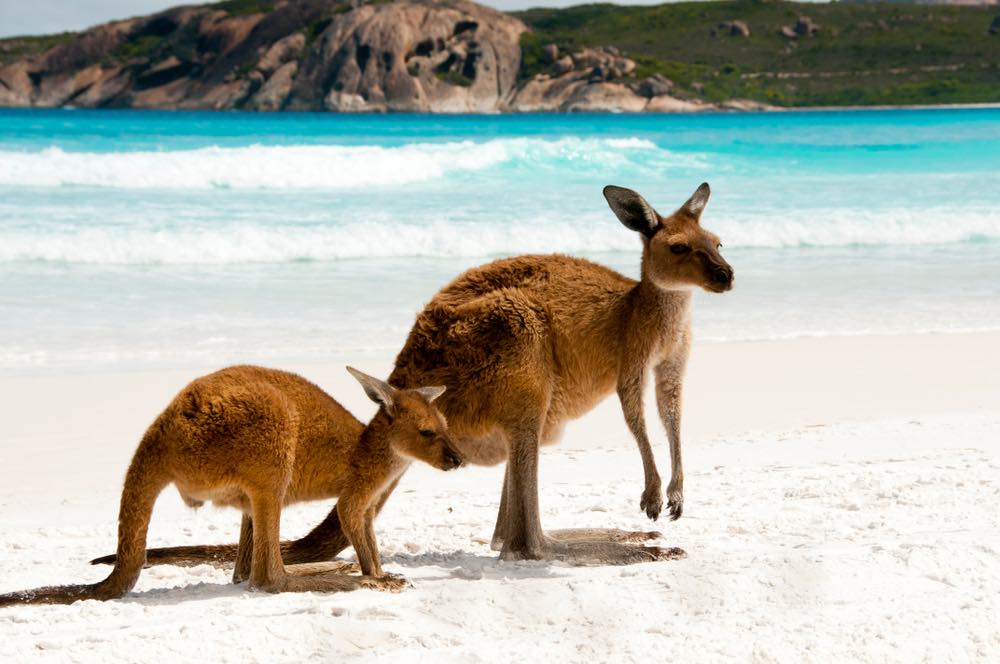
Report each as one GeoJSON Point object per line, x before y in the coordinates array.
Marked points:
{"type": "Point", "coordinates": [632, 210]}
{"type": "Point", "coordinates": [377, 390]}
{"type": "Point", "coordinates": [698, 200]}
{"type": "Point", "coordinates": [431, 393]}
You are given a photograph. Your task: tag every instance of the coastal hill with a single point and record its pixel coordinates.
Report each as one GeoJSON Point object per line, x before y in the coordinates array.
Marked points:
{"type": "Point", "coordinates": [457, 56]}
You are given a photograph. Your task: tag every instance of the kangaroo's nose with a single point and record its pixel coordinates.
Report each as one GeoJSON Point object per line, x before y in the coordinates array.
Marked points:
{"type": "Point", "coordinates": [722, 275]}
{"type": "Point", "coordinates": [452, 458]}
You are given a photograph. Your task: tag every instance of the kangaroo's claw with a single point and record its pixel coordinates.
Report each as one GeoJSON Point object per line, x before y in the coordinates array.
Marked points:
{"type": "Point", "coordinates": [391, 583]}
{"type": "Point", "coordinates": [676, 507]}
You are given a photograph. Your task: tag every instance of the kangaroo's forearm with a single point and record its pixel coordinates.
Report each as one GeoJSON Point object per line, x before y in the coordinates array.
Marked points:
{"type": "Point", "coordinates": [630, 394]}
{"type": "Point", "coordinates": [630, 390]}
{"type": "Point", "coordinates": [668, 401]}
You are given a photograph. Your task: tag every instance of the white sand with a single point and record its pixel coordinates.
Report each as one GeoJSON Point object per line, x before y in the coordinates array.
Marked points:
{"type": "Point", "coordinates": [841, 505]}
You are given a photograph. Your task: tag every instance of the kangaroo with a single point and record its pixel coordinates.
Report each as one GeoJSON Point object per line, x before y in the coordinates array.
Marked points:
{"type": "Point", "coordinates": [528, 343]}
{"type": "Point", "coordinates": [258, 439]}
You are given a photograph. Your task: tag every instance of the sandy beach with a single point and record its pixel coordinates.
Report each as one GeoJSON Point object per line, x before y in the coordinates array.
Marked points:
{"type": "Point", "coordinates": [841, 408]}
{"type": "Point", "coordinates": [838, 507]}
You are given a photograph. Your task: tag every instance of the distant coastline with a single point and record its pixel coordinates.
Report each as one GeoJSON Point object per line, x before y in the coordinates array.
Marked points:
{"type": "Point", "coordinates": [454, 56]}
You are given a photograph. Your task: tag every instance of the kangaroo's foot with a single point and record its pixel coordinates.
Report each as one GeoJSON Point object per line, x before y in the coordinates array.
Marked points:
{"type": "Point", "coordinates": [323, 583]}
{"type": "Point", "coordinates": [313, 580]}
{"type": "Point", "coordinates": [593, 535]}
{"type": "Point", "coordinates": [313, 569]}
{"type": "Point", "coordinates": [604, 535]}
{"type": "Point", "coordinates": [310, 579]}
{"type": "Point", "coordinates": [583, 552]}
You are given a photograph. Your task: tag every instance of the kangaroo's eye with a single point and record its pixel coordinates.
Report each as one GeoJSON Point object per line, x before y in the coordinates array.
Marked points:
{"type": "Point", "coordinates": [426, 433]}
{"type": "Point", "coordinates": [680, 248]}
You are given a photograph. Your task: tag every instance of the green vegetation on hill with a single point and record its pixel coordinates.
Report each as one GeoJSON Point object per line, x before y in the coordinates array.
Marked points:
{"type": "Point", "coordinates": [863, 54]}
{"type": "Point", "coordinates": [245, 7]}
{"type": "Point", "coordinates": [13, 48]}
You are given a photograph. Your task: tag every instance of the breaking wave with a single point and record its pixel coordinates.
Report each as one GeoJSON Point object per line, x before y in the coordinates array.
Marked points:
{"type": "Point", "coordinates": [256, 242]}
{"type": "Point", "coordinates": [333, 167]}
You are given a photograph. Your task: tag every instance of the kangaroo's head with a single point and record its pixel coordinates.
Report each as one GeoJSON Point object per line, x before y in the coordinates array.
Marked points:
{"type": "Point", "coordinates": [417, 429]}
{"type": "Point", "coordinates": [677, 252]}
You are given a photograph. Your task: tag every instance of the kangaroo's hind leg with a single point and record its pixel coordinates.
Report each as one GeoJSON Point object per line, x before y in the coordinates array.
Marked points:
{"type": "Point", "coordinates": [268, 573]}
{"type": "Point", "coordinates": [323, 543]}
{"type": "Point", "coordinates": [524, 538]}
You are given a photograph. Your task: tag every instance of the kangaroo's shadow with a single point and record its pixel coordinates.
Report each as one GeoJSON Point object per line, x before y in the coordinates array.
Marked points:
{"type": "Point", "coordinates": [191, 592]}
{"type": "Point", "coordinates": [476, 567]}
{"type": "Point", "coordinates": [457, 565]}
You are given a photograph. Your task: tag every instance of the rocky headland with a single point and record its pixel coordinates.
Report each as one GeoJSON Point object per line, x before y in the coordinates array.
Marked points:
{"type": "Point", "coordinates": [440, 56]}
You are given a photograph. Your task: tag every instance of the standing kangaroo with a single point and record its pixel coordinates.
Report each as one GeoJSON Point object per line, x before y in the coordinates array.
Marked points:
{"type": "Point", "coordinates": [259, 439]}
{"type": "Point", "coordinates": [526, 344]}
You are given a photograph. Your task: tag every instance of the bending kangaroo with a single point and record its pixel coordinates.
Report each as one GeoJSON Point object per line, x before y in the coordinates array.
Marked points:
{"type": "Point", "coordinates": [526, 344]}
{"type": "Point", "coordinates": [258, 439]}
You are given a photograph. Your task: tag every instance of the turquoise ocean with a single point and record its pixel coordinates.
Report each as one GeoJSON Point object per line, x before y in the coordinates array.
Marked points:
{"type": "Point", "coordinates": [133, 240]}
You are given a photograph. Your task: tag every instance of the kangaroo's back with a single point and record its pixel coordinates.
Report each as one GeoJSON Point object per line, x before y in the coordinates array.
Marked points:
{"type": "Point", "coordinates": [319, 415]}
{"type": "Point", "coordinates": [233, 412]}
{"type": "Point", "coordinates": [481, 320]}
{"type": "Point", "coordinates": [552, 277]}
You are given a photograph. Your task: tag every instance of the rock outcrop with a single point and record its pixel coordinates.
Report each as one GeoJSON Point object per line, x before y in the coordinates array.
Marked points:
{"type": "Point", "coordinates": [412, 56]}
{"type": "Point", "coordinates": [596, 79]}
{"type": "Point", "coordinates": [804, 27]}
{"type": "Point", "coordinates": [408, 55]}
{"type": "Point", "coordinates": [734, 28]}
{"type": "Point", "coordinates": [440, 56]}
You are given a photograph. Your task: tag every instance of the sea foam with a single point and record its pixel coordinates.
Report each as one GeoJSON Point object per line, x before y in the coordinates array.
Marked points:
{"type": "Point", "coordinates": [334, 167]}
{"type": "Point", "coordinates": [226, 242]}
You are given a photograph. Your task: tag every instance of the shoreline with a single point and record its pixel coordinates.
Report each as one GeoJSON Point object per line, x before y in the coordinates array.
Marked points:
{"type": "Point", "coordinates": [710, 108]}
{"type": "Point", "coordinates": [901, 107]}
{"type": "Point", "coordinates": [731, 388]}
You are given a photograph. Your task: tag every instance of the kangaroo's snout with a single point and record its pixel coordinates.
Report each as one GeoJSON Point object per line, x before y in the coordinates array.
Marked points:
{"type": "Point", "coordinates": [451, 458]}
{"type": "Point", "coordinates": [722, 277]}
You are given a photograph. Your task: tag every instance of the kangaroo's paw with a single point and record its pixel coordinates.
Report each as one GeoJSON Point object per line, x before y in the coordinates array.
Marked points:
{"type": "Point", "coordinates": [652, 500]}
{"type": "Point", "coordinates": [675, 500]}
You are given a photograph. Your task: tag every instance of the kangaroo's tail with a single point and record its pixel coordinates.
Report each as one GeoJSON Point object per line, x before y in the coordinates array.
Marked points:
{"type": "Point", "coordinates": [323, 543]}
{"type": "Point", "coordinates": [183, 556]}
{"type": "Point", "coordinates": [144, 481]}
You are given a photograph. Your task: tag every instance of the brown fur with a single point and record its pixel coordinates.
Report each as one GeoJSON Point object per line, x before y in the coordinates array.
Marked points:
{"type": "Point", "coordinates": [527, 343]}
{"type": "Point", "coordinates": [259, 439]}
